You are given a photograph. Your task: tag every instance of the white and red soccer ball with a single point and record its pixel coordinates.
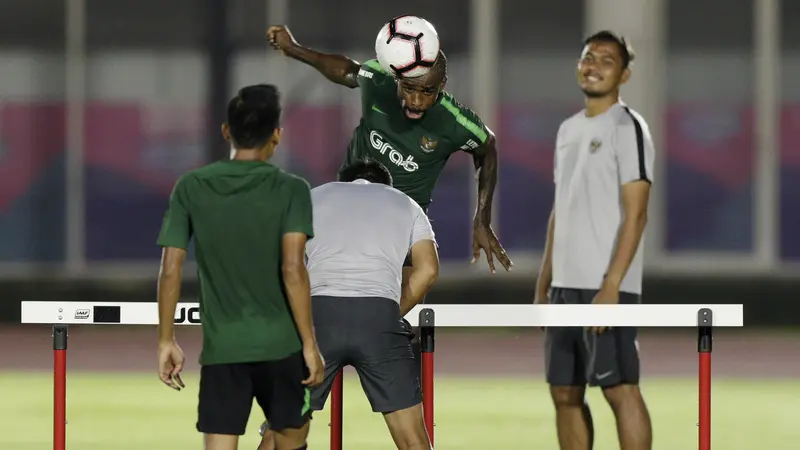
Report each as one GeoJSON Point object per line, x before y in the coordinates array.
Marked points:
{"type": "Point", "coordinates": [407, 46]}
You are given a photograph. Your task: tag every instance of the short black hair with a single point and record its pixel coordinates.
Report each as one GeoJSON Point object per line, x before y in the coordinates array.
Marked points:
{"type": "Point", "coordinates": [253, 115]}
{"type": "Point", "coordinates": [440, 66]}
{"type": "Point", "coordinates": [625, 49]}
{"type": "Point", "coordinates": [366, 169]}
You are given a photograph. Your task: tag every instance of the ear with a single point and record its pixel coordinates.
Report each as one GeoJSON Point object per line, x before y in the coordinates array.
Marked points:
{"type": "Point", "coordinates": [626, 75]}
{"type": "Point", "coordinates": [226, 132]}
{"type": "Point", "coordinates": [276, 136]}
{"type": "Point", "coordinates": [444, 83]}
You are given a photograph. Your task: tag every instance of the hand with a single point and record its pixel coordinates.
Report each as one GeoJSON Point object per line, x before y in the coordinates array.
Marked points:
{"type": "Point", "coordinates": [280, 38]}
{"type": "Point", "coordinates": [315, 364]}
{"type": "Point", "coordinates": [483, 238]}
{"type": "Point", "coordinates": [607, 295]}
{"type": "Point", "coordinates": [170, 364]}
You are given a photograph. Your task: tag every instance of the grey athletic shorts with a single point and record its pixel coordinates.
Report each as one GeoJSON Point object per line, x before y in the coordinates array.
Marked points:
{"type": "Point", "coordinates": [366, 333]}
{"type": "Point", "coordinates": [576, 357]}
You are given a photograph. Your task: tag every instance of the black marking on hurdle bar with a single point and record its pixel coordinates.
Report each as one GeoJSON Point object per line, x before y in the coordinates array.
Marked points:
{"type": "Point", "coordinates": [60, 337]}
{"type": "Point", "coordinates": [705, 322]}
{"type": "Point", "coordinates": [427, 323]}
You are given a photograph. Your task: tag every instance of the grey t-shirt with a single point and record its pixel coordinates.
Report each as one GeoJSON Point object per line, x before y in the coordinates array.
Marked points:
{"type": "Point", "coordinates": [362, 234]}
{"type": "Point", "coordinates": [595, 157]}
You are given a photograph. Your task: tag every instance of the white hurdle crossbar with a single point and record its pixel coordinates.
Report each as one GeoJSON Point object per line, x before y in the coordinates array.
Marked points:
{"type": "Point", "coordinates": [703, 317]}
{"type": "Point", "coordinates": [725, 315]}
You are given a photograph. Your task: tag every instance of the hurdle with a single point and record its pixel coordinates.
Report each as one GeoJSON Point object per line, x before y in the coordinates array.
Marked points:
{"type": "Point", "coordinates": [704, 317]}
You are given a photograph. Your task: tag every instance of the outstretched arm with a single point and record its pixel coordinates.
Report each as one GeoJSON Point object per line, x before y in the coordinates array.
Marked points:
{"type": "Point", "coordinates": [485, 159]}
{"type": "Point", "coordinates": [336, 68]}
{"type": "Point", "coordinates": [484, 238]}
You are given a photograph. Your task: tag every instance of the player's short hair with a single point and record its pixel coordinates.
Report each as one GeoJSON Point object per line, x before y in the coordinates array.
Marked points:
{"type": "Point", "coordinates": [440, 66]}
{"type": "Point", "coordinates": [625, 49]}
{"type": "Point", "coordinates": [253, 115]}
{"type": "Point", "coordinates": [366, 169]}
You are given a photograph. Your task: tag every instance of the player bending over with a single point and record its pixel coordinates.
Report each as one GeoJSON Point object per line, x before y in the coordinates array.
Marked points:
{"type": "Point", "coordinates": [412, 126]}
{"type": "Point", "coordinates": [250, 222]}
{"type": "Point", "coordinates": [355, 264]}
{"type": "Point", "coordinates": [603, 170]}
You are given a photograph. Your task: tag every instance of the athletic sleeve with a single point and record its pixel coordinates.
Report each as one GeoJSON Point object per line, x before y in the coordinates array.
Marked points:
{"type": "Point", "coordinates": [635, 151]}
{"type": "Point", "coordinates": [299, 217]}
{"type": "Point", "coordinates": [471, 133]}
{"type": "Point", "coordinates": [422, 229]}
{"type": "Point", "coordinates": [371, 74]}
{"type": "Point", "coordinates": [176, 228]}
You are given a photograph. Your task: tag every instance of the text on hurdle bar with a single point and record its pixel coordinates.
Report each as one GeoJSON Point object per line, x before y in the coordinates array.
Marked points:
{"type": "Point", "coordinates": [725, 315]}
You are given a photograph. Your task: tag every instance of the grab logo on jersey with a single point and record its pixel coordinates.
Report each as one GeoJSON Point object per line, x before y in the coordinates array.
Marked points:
{"type": "Point", "coordinates": [379, 143]}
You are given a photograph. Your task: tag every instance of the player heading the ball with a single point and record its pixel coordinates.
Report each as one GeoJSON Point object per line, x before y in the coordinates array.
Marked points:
{"type": "Point", "coordinates": [411, 124]}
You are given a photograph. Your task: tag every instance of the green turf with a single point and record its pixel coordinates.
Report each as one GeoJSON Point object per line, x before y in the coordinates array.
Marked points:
{"type": "Point", "coordinates": [127, 412]}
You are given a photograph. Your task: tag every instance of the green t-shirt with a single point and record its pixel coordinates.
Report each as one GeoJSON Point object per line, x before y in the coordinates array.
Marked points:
{"type": "Point", "coordinates": [237, 212]}
{"type": "Point", "coordinates": [415, 152]}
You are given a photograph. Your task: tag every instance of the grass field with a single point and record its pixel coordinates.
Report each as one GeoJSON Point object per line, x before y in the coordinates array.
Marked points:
{"type": "Point", "coordinates": [127, 412]}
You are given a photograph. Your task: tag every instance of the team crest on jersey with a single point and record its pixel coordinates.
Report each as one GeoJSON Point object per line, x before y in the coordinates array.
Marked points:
{"type": "Point", "coordinates": [427, 145]}
{"type": "Point", "coordinates": [594, 145]}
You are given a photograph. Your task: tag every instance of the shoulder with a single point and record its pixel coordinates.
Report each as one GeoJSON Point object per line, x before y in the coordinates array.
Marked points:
{"type": "Point", "coordinates": [291, 181]}
{"type": "Point", "coordinates": [630, 123]}
{"type": "Point", "coordinates": [628, 118]}
{"type": "Point", "coordinates": [464, 119]}
{"type": "Point", "coordinates": [324, 188]}
{"type": "Point", "coordinates": [371, 73]}
{"type": "Point", "coordinates": [190, 178]}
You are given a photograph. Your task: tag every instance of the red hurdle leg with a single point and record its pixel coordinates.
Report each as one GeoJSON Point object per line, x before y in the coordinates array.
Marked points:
{"type": "Point", "coordinates": [59, 387]}
{"type": "Point", "coordinates": [704, 338]}
{"type": "Point", "coordinates": [337, 415]}
{"type": "Point", "coordinates": [426, 328]}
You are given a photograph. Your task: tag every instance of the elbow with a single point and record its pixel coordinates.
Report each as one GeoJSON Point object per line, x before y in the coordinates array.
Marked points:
{"type": "Point", "coordinates": [293, 272]}
{"type": "Point", "coordinates": [637, 220]}
{"type": "Point", "coordinates": [430, 273]}
{"type": "Point", "coordinates": [169, 272]}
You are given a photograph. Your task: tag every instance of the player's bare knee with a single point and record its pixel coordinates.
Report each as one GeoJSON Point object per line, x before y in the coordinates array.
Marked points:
{"type": "Point", "coordinates": [408, 428]}
{"type": "Point", "coordinates": [567, 396]}
{"type": "Point", "coordinates": [267, 442]}
{"type": "Point", "coordinates": [291, 438]}
{"type": "Point", "coordinates": [620, 395]}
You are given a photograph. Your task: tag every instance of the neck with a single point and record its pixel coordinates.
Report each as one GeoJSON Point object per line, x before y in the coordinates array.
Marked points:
{"type": "Point", "coordinates": [247, 154]}
{"type": "Point", "coordinates": [598, 105]}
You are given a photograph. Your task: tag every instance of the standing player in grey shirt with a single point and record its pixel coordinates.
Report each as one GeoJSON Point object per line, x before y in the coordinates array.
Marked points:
{"type": "Point", "coordinates": [603, 172]}
{"type": "Point", "coordinates": [363, 230]}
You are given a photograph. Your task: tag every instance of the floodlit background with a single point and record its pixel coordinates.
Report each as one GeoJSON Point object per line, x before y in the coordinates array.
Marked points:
{"type": "Point", "coordinates": [106, 103]}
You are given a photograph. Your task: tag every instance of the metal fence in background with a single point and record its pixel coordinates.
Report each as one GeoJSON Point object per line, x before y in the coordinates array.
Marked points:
{"type": "Point", "coordinates": [106, 103]}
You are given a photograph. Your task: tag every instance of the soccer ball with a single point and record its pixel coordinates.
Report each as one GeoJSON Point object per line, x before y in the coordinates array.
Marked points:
{"type": "Point", "coordinates": [407, 46]}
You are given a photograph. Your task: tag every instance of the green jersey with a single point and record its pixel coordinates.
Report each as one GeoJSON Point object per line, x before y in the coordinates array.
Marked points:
{"type": "Point", "coordinates": [237, 212]}
{"type": "Point", "coordinates": [415, 152]}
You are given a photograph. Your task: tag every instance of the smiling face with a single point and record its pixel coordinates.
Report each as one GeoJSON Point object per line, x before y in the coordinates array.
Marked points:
{"type": "Point", "coordinates": [601, 69]}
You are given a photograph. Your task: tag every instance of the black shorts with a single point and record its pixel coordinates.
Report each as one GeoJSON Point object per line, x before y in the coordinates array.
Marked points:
{"type": "Point", "coordinates": [227, 392]}
{"type": "Point", "coordinates": [576, 357]}
{"type": "Point", "coordinates": [366, 333]}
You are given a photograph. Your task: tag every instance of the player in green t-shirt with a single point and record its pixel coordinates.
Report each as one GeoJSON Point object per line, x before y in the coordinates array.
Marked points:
{"type": "Point", "coordinates": [412, 126]}
{"type": "Point", "coordinates": [250, 222]}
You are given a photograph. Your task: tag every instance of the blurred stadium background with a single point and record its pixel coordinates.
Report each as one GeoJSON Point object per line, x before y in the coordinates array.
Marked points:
{"type": "Point", "coordinates": [106, 103]}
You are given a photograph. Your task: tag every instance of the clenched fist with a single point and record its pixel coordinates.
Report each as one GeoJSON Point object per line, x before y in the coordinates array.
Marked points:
{"type": "Point", "coordinates": [280, 38]}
